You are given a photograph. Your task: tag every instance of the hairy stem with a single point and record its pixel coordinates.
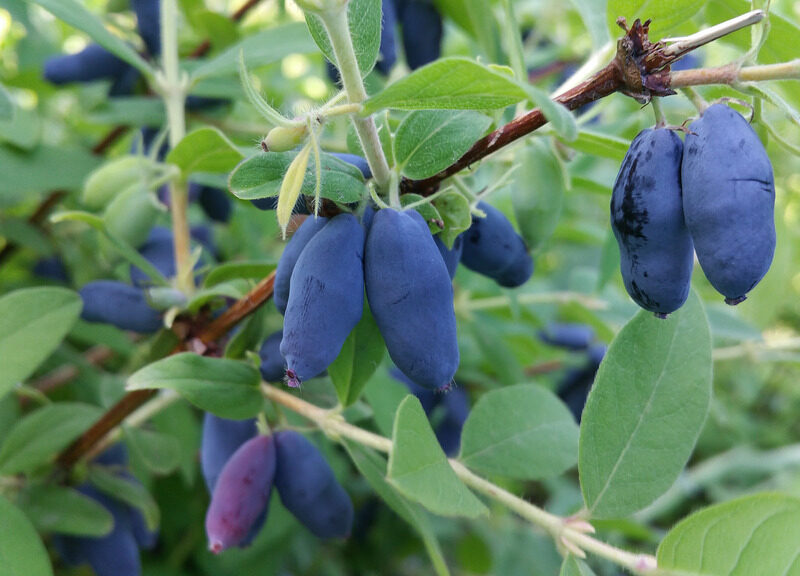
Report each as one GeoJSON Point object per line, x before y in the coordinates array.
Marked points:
{"type": "Point", "coordinates": [558, 527]}
{"type": "Point", "coordinates": [174, 94]}
{"type": "Point", "coordinates": [335, 22]}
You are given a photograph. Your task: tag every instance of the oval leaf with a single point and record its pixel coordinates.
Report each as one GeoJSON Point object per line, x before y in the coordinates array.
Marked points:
{"type": "Point", "coordinates": [227, 388]}
{"type": "Point", "coordinates": [33, 322]}
{"type": "Point", "coordinates": [428, 141]}
{"type": "Point", "coordinates": [419, 469]}
{"type": "Point", "coordinates": [364, 18]}
{"type": "Point", "coordinates": [358, 360]}
{"type": "Point", "coordinates": [129, 491]}
{"type": "Point", "coordinates": [21, 549]}
{"type": "Point", "coordinates": [260, 176]}
{"type": "Point", "coordinates": [43, 433]}
{"type": "Point", "coordinates": [751, 535]}
{"type": "Point", "coordinates": [449, 84]}
{"type": "Point", "coordinates": [205, 150]}
{"type": "Point", "coordinates": [556, 114]}
{"type": "Point", "coordinates": [522, 431]}
{"type": "Point", "coordinates": [66, 511]}
{"type": "Point", "coordinates": [665, 16]}
{"type": "Point", "coordinates": [645, 410]}
{"type": "Point", "coordinates": [160, 453]}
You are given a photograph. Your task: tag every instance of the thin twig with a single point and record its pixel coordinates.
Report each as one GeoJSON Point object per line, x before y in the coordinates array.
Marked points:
{"type": "Point", "coordinates": [133, 400]}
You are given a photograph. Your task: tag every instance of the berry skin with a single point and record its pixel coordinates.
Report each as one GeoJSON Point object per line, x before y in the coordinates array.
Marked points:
{"type": "Point", "coordinates": [92, 63]}
{"type": "Point", "coordinates": [411, 297]}
{"type": "Point", "coordinates": [115, 554]}
{"type": "Point", "coordinates": [422, 32]}
{"type": "Point", "coordinates": [568, 336]}
{"type": "Point", "coordinates": [326, 298]}
{"type": "Point", "coordinates": [215, 203]}
{"type": "Point", "coordinates": [493, 248]}
{"type": "Point", "coordinates": [656, 255]}
{"type": "Point", "coordinates": [119, 304]}
{"type": "Point", "coordinates": [283, 275]}
{"type": "Point", "coordinates": [241, 494]}
{"type": "Point", "coordinates": [308, 488]}
{"type": "Point", "coordinates": [456, 411]}
{"type": "Point", "coordinates": [574, 387]}
{"type": "Point", "coordinates": [51, 268]}
{"type": "Point", "coordinates": [729, 201]}
{"type": "Point", "coordinates": [428, 398]}
{"type": "Point", "coordinates": [272, 365]}
{"type": "Point", "coordinates": [221, 439]}
{"type": "Point", "coordinates": [452, 256]}
{"type": "Point", "coordinates": [148, 21]}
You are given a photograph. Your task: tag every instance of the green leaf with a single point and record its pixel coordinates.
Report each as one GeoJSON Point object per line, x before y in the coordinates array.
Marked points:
{"type": "Point", "coordinates": [521, 431]}
{"type": "Point", "coordinates": [23, 130]}
{"type": "Point", "coordinates": [603, 145]}
{"type": "Point", "coordinates": [360, 357]}
{"type": "Point", "coordinates": [384, 395]}
{"type": "Point", "coordinates": [559, 117]}
{"type": "Point", "coordinates": [205, 150]}
{"type": "Point", "coordinates": [665, 16]}
{"type": "Point", "coordinates": [33, 321]}
{"type": "Point", "coordinates": [364, 21]}
{"type": "Point", "coordinates": [260, 49]}
{"type": "Point", "coordinates": [227, 388]}
{"type": "Point", "coordinates": [426, 209]}
{"type": "Point", "coordinates": [477, 19]}
{"type": "Point", "coordinates": [66, 511]}
{"type": "Point", "coordinates": [127, 490]}
{"type": "Point", "coordinates": [160, 453]}
{"type": "Point", "coordinates": [428, 141]}
{"type": "Point", "coordinates": [44, 169]}
{"type": "Point", "coordinates": [751, 535]}
{"type": "Point", "coordinates": [76, 15]}
{"type": "Point", "coordinates": [574, 567]}
{"type": "Point", "coordinates": [261, 175]}
{"type": "Point", "coordinates": [373, 468]}
{"type": "Point", "coordinates": [250, 270]}
{"type": "Point", "coordinates": [250, 334]}
{"type": "Point", "coordinates": [419, 469]}
{"type": "Point", "coordinates": [449, 84]}
{"type": "Point", "coordinates": [645, 411]}
{"type": "Point", "coordinates": [43, 433]}
{"type": "Point", "coordinates": [21, 550]}
{"type": "Point", "coordinates": [129, 110]}
{"type": "Point", "coordinates": [538, 193]}
{"type": "Point", "coordinates": [454, 210]}
{"type": "Point", "coordinates": [593, 15]}
{"type": "Point", "coordinates": [6, 104]}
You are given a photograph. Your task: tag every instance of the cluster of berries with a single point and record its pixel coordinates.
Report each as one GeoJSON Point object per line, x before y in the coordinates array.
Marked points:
{"type": "Point", "coordinates": [116, 553]}
{"type": "Point", "coordinates": [241, 467]}
{"type": "Point", "coordinates": [714, 197]}
{"type": "Point", "coordinates": [406, 272]}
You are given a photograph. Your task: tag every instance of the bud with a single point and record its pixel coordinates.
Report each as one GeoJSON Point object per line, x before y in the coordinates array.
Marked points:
{"type": "Point", "coordinates": [130, 214]}
{"type": "Point", "coordinates": [284, 138]}
{"type": "Point", "coordinates": [108, 180]}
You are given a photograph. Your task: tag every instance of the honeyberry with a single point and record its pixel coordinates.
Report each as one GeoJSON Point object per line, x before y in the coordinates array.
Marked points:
{"type": "Point", "coordinates": [283, 274]}
{"type": "Point", "coordinates": [241, 494]}
{"type": "Point", "coordinates": [119, 304]}
{"type": "Point", "coordinates": [493, 248]}
{"type": "Point", "coordinates": [729, 201]}
{"type": "Point", "coordinates": [326, 298]}
{"type": "Point", "coordinates": [656, 254]}
{"type": "Point", "coordinates": [411, 297]}
{"type": "Point", "coordinates": [308, 488]}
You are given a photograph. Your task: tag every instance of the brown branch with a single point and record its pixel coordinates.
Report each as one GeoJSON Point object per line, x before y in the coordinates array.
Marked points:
{"type": "Point", "coordinates": [133, 400]}
{"type": "Point", "coordinates": [64, 374]}
{"type": "Point", "coordinates": [36, 219]}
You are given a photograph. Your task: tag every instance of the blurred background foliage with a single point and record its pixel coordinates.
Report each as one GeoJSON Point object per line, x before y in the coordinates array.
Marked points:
{"type": "Point", "coordinates": [750, 441]}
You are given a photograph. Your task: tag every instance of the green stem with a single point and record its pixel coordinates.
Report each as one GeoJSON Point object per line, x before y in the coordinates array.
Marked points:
{"type": "Point", "coordinates": [559, 528]}
{"type": "Point", "coordinates": [174, 93]}
{"type": "Point", "coordinates": [661, 119]}
{"type": "Point", "coordinates": [335, 22]}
